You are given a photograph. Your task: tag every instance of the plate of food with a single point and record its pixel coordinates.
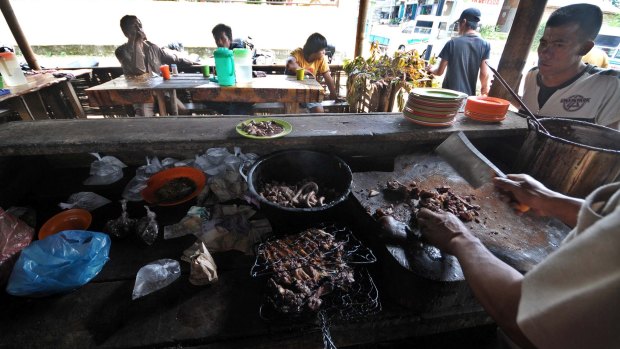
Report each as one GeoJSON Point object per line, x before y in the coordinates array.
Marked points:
{"type": "Point", "coordinates": [174, 186]}
{"type": "Point", "coordinates": [72, 219]}
{"type": "Point", "coordinates": [264, 128]}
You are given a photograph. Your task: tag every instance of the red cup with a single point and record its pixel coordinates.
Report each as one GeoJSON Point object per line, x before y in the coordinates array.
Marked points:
{"type": "Point", "coordinates": [165, 71]}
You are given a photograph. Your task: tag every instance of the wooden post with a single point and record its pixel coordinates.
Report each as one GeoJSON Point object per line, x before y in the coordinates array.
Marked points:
{"type": "Point", "coordinates": [361, 26]}
{"type": "Point", "coordinates": [518, 46]}
{"type": "Point", "coordinates": [20, 38]}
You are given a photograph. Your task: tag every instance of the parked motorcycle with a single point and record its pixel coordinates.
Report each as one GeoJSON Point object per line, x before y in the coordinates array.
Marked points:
{"type": "Point", "coordinates": [260, 56]}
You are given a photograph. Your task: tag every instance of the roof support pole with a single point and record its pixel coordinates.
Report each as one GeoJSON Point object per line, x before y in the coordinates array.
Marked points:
{"type": "Point", "coordinates": [361, 26]}
{"type": "Point", "coordinates": [520, 38]}
{"type": "Point", "coordinates": [20, 38]}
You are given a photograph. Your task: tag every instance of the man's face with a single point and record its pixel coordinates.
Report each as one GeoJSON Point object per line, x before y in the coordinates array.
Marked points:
{"type": "Point", "coordinates": [221, 40]}
{"type": "Point", "coordinates": [560, 49]}
{"type": "Point", "coordinates": [134, 30]}
{"type": "Point", "coordinates": [316, 56]}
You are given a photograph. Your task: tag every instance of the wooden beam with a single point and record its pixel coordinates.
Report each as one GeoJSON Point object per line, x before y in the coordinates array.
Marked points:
{"type": "Point", "coordinates": [361, 26]}
{"type": "Point", "coordinates": [18, 34]}
{"type": "Point", "coordinates": [518, 46]}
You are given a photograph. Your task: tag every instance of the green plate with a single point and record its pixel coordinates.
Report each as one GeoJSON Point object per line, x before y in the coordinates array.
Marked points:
{"type": "Point", "coordinates": [287, 128]}
{"type": "Point", "coordinates": [438, 93]}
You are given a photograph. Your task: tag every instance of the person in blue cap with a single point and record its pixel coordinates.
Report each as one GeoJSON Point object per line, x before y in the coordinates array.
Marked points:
{"type": "Point", "coordinates": [465, 57]}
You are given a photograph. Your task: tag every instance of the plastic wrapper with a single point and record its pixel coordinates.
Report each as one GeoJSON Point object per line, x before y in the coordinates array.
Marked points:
{"type": "Point", "coordinates": [146, 227]}
{"type": "Point", "coordinates": [14, 236]}
{"type": "Point", "coordinates": [122, 226]}
{"type": "Point", "coordinates": [85, 199]}
{"type": "Point", "coordinates": [155, 276]}
{"type": "Point", "coordinates": [105, 170]}
{"type": "Point", "coordinates": [190, 224]}
{"type": "Point", "coordinates": [203, 270]}
{"type": "Point", "coordinates": [59, 263]}
{"type": "Point", "coordinates": [231, 229]}
{"type": "Point", "coordinates": [222, 168]}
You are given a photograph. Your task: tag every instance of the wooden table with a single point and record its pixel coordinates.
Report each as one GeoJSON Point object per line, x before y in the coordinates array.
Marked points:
{"type": "Point", "coordinates": [45, 90]}
{"type": "Point", "coordinates": [272, 88]}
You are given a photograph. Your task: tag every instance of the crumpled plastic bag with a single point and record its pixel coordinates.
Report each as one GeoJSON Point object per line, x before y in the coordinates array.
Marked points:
{"type": "Point", "coordinates": [138, 182]}
{"type": "Point", "coordinates": [105, 170]}
{"type": "Point", "coordinates": [147, 228]}
{"type": "Point", "coordinates": [59, 263]}
{"type": "Point", "coordinates": [231, 229]}
{"type": "Point", "coordinates": [15, 235]}
{"type": "Point", "coordinates": [85, 199]}
{"type": "Point", "coordinates": [155, 276]}
{"type": "Point", "coordinates": [190, 224]}
{"type": "Point", "coordinates": [203, 270]}
{"type": "Point", "coordinates": [222, 169]}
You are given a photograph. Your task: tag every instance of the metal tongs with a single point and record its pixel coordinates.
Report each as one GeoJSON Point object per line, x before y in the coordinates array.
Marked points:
{"type": "Point", "coordinates": [530, 116]}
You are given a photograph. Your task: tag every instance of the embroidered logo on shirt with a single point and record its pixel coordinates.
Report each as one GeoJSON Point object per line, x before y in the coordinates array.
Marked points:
{"type": "Point", "coordinates": [575, 102]}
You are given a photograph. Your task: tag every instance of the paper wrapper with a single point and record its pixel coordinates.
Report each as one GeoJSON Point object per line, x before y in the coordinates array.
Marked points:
{"type": "Point", "coordinates": [203, 270]}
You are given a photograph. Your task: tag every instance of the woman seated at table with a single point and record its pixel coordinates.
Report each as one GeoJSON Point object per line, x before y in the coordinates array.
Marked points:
{"type": "Point", "coordinates": [313, 60]}
{"type": "Point", "coordinates": [139, 57]}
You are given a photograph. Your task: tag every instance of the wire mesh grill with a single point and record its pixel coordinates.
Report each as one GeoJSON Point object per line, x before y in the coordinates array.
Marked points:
{"type": "Point", "coordinates": [323, 246]}
{"type": "Point", "coordinates": [331, 251]}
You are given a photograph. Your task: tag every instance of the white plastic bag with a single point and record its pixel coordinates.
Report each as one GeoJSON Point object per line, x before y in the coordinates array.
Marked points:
{"type": "Point", "coordinates": [155, 276]}
{"type": "Point", "coordinates": [105, 170]}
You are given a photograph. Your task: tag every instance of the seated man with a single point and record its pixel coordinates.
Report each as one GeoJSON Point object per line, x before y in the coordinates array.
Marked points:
{"type": "Point", "coordinates": [562, 85]}
{"type": "Point", "coordinates": [569, 300]}
{"type": "Point", "coordinates": [312, 59]}
{"type": "Point", "coordinates": [222, 34]}
{"type": "Point", "coordinates": [139, 57]}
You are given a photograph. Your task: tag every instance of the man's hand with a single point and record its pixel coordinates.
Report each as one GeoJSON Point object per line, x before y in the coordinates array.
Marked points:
{"type": "Point", "coordinates": [526, 191]}
{"type": "Point", "coordinates": [442, 229]}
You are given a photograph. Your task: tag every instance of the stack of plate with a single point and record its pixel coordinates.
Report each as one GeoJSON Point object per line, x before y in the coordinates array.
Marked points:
{"type": "Point", "coordinates": [433, 106]}
{"type": "Point", "coordinates": [486, 109]}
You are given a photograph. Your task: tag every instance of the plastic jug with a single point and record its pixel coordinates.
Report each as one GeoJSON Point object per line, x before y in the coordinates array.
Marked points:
{"type": "Point", "coordinates": [224, 66]}
{"type": "Point", "coordinates": [243, 64]}
{"type": "Point", "coordinates": [10, 70]}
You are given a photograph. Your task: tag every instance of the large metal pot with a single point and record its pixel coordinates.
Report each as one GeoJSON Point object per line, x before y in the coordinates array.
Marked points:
{"type": "Point", "coordinates": [293, 166]}
{"type": "Point", "coordinates": [575, 157]}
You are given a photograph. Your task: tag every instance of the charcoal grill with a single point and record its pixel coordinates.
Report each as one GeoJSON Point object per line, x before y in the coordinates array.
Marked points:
{"type": "Point", "coordinates": [360, 299]}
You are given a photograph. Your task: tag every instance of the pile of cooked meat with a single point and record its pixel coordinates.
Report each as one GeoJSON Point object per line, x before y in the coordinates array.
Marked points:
{"type": "Point", "coordinates": [442, 199]}
{"type": "Point", "coordinates": [304, 194]}
{"type": "Point", "coordinates": [305, 267]}
{"type": "Point", "coordinates": [262, 128]}
{"type": "Point", "coordinates": [175, 189]}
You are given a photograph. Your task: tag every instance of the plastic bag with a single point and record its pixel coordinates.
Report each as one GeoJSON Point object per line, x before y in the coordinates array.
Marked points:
{"type": "Point", "coordinates": [86, 200]}
{"type": "Point", "coordinates": [105, 170]}
{"type": "Point", "coordinates": [59, 263]}
{"type": "Point", "coordinates": [138, 182]}
{"type": "Point", "coordinates": [122, 226]}
{"type": "Point", "coordinates": [146, 227]}
{"type": "Point", "coordinates": [222, 169]}
{"type": "Point", "coordinates": [14, 236]}
{"type": "Point", "coordinates": [155, 276]}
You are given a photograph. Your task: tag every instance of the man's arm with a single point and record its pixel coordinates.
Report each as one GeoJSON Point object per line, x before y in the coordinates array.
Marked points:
{"type": "Point", "coordinates": [545, 202]}
{"type": "Point", "coordinates": [484, 78]}
{"type": "Point", "coordinates": [496, 285]}
{"type": "Point", "coordinates": [329, 81]}
{"type": "Point", "coordinates": [291, 65]}
{"type": "Point", "coordinates": [441, 68]}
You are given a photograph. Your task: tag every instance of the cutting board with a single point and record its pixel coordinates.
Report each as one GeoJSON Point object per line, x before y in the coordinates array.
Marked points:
{"type": "Point", "coordinates": [522, 241]}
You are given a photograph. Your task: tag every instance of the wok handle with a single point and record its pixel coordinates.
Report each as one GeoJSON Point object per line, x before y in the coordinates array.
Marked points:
{"type": "Point", "coordinates": [530, 115]}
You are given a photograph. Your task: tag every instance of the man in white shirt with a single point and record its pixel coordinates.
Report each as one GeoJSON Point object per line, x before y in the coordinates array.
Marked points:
{"type": "Point", "coordinates": [562, 85]}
